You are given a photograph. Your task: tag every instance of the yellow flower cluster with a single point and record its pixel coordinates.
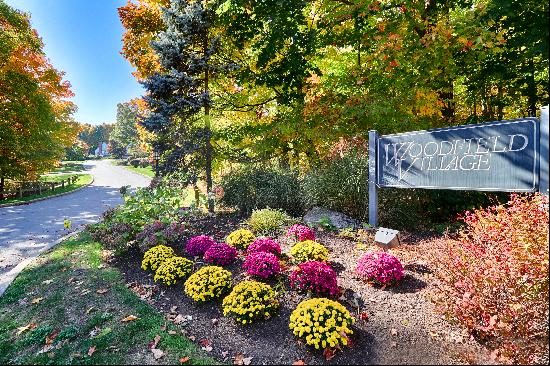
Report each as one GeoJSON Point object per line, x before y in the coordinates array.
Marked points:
{"type": "Point", "coordinates": [308, 250]}
{"type": "Point", "coordinates": [173, 269]}
{"type": "Point", "coordinates": [250, 300]}
{"type": "Point", "coordinates": [208, 283]}
{"type": "Point", "coordinates": [154, 257]}
{"type": "Point", "coordinates": [240, 238]}
{"type": "Point", "coordinates": [322, 322]}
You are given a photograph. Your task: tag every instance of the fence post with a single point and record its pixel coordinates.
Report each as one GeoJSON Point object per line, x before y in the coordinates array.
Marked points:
{"type": "Point", "coordinates": [20, 193]}
{"type": "Point", "coordinates": [373, 172]}
{"type": "Point", "coordinates": [543, 151]}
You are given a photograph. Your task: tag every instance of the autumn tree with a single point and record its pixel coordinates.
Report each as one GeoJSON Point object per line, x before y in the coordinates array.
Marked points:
{"type": "Point", "coordinates": [35, 120]}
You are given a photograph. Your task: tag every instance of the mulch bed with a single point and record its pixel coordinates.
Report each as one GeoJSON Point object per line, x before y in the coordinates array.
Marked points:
{"type": "Point", "coordinates": [402, 325]}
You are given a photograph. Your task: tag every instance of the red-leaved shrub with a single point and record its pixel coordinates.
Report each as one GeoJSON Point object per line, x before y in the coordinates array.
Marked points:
{"type": "Point", "coordinates": [494, 277]}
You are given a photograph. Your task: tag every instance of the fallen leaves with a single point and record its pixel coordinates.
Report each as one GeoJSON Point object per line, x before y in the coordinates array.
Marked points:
{"type": "Point", "coordinates": [393, 332]}
{"type": "Point", "coordinates": [157, 353]}
{"type": "Point", "coordinates": [26, 328]}
{"type": "Point", "coordinates": [184, 360]}
{"type": "Point", "coordinates": [91, 351]}
{"type": "Point", "coordinates": [129, 318]}
{"type": "Point", "coordinates": [206, 345]}
{"type": "Point", "coordinates": [37, 300]}
{"type": "Point", "coordinates": [329, 353]}
{"type": "Point", "coordinates": [102, 291]}
{"type": "Point", "coordinates": [299, 362]}
{"type": "Point", "coordinates": [239, 359]}
{"type": "Point", "coordinates": [154, 342]}
{"type": "Point", "coordinates": [47, 282]}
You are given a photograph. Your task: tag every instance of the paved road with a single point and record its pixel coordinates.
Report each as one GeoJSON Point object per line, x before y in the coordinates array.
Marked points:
{"type": "Point", "coordinates": [28, 230]}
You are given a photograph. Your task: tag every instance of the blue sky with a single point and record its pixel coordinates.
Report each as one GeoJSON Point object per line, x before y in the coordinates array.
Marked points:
{"type": "Point", "coordinates": [83, 38]}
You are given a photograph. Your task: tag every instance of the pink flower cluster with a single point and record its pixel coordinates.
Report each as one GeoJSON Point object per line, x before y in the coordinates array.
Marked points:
{"type": "Point", "coordinates": [264, 245]}
{"type": "Point", "coordinates": [220, 254]}
{"type": "Point", "coordinates": [198, 245]}
{"type": "Point", "coordinates": [380, 267]}
{"type": "Point", "coordinates": [262, 264]}
{"type": "Point", "coordinates": [300, 232]}
{"type": "Point", "coordinates": [315, 276]}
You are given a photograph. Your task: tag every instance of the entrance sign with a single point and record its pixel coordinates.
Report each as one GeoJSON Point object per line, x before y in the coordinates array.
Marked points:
{"type": "Point", "coordinates": [506, 156]}
{"type": "Point", "coordinates": [495, 156]}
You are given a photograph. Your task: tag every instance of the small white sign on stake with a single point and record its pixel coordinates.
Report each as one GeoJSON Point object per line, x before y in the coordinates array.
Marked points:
{"type": "Point", "coordinates": [387, 238]}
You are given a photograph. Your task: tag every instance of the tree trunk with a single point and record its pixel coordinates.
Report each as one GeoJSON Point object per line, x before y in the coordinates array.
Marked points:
{"type": "Point", "coordinates": [1, 188]}
{"type": "Point", "coordinates": [207, 131]}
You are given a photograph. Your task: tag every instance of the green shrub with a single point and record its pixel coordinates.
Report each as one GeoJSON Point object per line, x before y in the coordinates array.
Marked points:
{"type": "Point", "coordinates": [340, 184]}
{"type": "Point", "coordinates": [260, 187]}
{"type": "Point", "coordinates": [267, 221]}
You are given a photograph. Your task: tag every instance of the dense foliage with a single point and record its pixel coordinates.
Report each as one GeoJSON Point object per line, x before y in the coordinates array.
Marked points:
{"type": "Point", "coordinates": [261, 187]}
{"type": "Point", "coordinates": [250, 301]}
{"type": "Point", "coordinates": [268, 221]}
{"type": "Point", "coordinates": [494, 277]}
{"type": "Point", "coordinates": [35, 119]}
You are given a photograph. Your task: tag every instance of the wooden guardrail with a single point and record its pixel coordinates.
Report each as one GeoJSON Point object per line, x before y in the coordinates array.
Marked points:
{"type": "Point", "coordinates": [36, 187]}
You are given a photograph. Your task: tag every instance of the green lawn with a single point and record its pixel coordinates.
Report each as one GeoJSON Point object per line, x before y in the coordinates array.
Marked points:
{"type": "Point", "coordinates": [70, 166]}
{"type": "Point", "coordinates": [83, 179]}
{"type": "Point", "coordinates": [68, 307]}
{"type": "Point", "coordinates": [147, 171]}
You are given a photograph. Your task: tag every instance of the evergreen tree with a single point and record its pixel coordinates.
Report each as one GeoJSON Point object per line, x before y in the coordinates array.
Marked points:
{"type": "Point", "coordinates": [180, 91]}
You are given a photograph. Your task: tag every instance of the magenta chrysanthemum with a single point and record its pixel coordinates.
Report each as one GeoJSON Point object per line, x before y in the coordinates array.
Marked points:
{"type": "Point", "coordinates": [300, 232]}
{"type": "Point", "coordinates": [315, 276]}
{"type": "Point", "coordinates": [262, 264]}
{"type": "Point", "coordinates": [379, 267]}
{"type": "Point", "coordinates": [264, 245]}
{"type": "Point", "coordinates": [198, 245]}
{"type": "Point", "coordinates": [220, 254]}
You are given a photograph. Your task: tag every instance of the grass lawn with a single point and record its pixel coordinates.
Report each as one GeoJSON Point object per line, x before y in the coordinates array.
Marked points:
{"type": "Point", "coordinates": [69, 307]}
{"type": "Point", "coordinates": [70, 166]}
{"type": "Point", "coordinates": [147, 171]}
{"type": "Point", "coordinates": [83, 179]}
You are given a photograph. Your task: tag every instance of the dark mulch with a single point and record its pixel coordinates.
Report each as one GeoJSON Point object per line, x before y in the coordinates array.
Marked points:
{"type": "Point", "coordinates": [402, 325]}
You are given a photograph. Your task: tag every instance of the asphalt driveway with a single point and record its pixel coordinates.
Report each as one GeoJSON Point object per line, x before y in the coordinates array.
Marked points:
{"type": "Point", "coordinates": [28, 230]}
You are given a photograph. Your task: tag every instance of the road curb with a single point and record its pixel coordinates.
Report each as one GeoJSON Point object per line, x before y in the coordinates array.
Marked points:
{"type": "Point", "coordinates": [46, 198]}
{"type": "Point", "coordinates": [7, 278]}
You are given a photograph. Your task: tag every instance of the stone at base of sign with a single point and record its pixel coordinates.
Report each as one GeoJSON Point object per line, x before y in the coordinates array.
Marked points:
{"type": "Point", "coordinates": [387, 238]}
{"type": "Point", "coordinates": [337, 219]}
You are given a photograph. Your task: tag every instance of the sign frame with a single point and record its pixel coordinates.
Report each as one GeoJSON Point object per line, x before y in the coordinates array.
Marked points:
{"type": "Point", "coordinates": [540, 160]}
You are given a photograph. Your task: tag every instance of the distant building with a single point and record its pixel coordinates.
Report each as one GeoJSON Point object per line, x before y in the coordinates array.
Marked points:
{"type": "Point", "coordinates": [101, 150]}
